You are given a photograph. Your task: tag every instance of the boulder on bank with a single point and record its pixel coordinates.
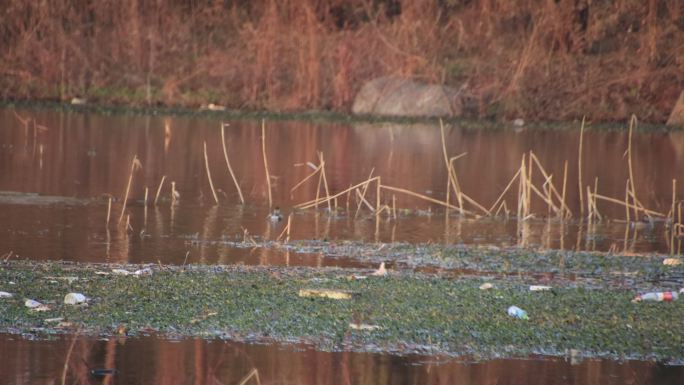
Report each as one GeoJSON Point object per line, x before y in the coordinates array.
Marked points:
{"type": "Point", "coordinates": [395, 96]}
{"type": "Point", "coordinates": [677, 114]}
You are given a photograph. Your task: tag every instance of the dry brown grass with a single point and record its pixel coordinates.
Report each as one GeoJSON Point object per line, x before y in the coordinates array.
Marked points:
{"type": "Point", "coordinates": [604, 59]}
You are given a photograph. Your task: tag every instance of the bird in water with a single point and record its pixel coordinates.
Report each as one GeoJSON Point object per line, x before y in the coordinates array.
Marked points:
{"type": "Point", "coordinates": [275, 216]}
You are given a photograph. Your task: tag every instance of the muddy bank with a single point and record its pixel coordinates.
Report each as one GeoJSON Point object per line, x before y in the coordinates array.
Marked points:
{"type": "Point", "coordinates": [402, 312]}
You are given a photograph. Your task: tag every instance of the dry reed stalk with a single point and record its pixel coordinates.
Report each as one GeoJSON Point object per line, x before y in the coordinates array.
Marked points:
{"type": "Point", "coordinates": [547, 189]}
{"type": "Point", "coordinates": [174, 194]}
{"type": "Point", "coordinates": [109, 210]}
{"type": "Point", "coordinates": [315, 202]}
{"type": "Point", "coordinates": [161, 183]}
{"type": "Point", "coordinates": [671, 216]}
{"type": "Point", "coordinates": [474, 203]}
{"type": "Point", "coordinates": [363, 194]}
{"type": "Point", "coordinates": [450, 176]}
{"type": "Point", "coordinates": [627, 201]}
{"type": "Point", "coordinates": [508, 186]}
{"type": "Point", "coordinates": [579, 168]}
{"type": "Point", "coordinates": [316, 170]}
{"type": "Point", "coordinates": [363, 200]}
{"type": "Point", "coordinates": [263, 150]}
{"type": "Point", "coordinates": [521, 188]}
{"type": "Point", "coordinates": [590, 214]}
{"type": "Point", "coordinates": [456, 184]}
{"type": "Point", "coordinates": [286, 230]}
{"type": "Point", "coordinates": [230, 169]}
{"type": "Point", "coordinates": [596, 211]}
{"type": "Point", "coordinates": [421, 196]}
{"type": "Point", "coordinates": [628, 205]}
{"type": "Point", "coordinates": [135, 165]}
{"type": "Point", "coordinates": [566, 213]}
{"type": "Point", "coordinates": [254, 373]}
{"type": "Point", "coordinates": [394, 206]}
{"type": "Point", "coordinates": [377, 197]}
{"type": "Point", "coordinates": [325, 179]}
{"type": "Point", "coordinates": [65, 368]}
{"type": "Point", "coordinates": [548, 176]}
{"type": "Point", "coordinates": [632, 123]}
{"type": "Point", "coordinates": [541, 195]}
{"type": "Point", "coordinates": [146, 195]}
{"type": "Point", "coordinates": [128, 223]}
{"type": "Point", "coordinates": [211, 182]}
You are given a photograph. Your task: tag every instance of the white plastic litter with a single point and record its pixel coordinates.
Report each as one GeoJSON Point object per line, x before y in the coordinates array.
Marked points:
{"type": "Point", "coordinates": [74, 299]}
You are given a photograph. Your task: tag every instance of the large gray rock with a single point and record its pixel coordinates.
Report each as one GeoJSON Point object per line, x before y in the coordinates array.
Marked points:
{"type": "Point", "coordinates": [677, 114]}
{"type": "Point", "coordinates": [394, 96]}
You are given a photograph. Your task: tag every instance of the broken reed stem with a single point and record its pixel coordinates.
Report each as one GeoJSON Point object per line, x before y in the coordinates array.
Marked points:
{"type": "Point", "coordinates": [147, 191]}
{"type": "Point", "coordinates": [421, 196]}
{"type": "Point", "coordinates": [565, 213]}
{"type": "Point", "coordinates": [161, 183]}
{"type": "Point", "coordinates": [263, 150]}
{"type": "Point", "coordinates": [109, 211]}
{"type": "Point", "coordinates": [547, 176]}
{"type": "Point", "coordinates": [508, 186]}
{"type": "Point", "coordinates": [454, 181]}
{"type": "Point", "coordinates": [318, 201]}
{"type": "Point", "coordinates": [629, 205]}
{"type": "Point", "coordinates": [211, 182]}
{"type": "Point", "coordinates": [230, 169]}
{"type": "Point", "coordinates": [316, 170]}
{"type": "Point", "coordinates": [254, 373]}
{"type": "Point", "coordinates": [632, 123]}
{"type": "Point", "coordinates": [363, 200]}
{"type": "Point", "coordinates": [579, 168]}
{"type": "Point", "coordinates": [363, 194]}
{"type": "Point", "coordinates": [286, 230]}
{"type": "Point", "coordinates": [135, 164]}
{"type": "Point", "coordinates": [451, 177]}
{"type": "Point", "coordinates": [325, 179]}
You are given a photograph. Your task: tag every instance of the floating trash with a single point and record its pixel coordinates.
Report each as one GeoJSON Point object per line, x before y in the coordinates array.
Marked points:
{"type": "Point", "coordinates": [662, 296]}
{"type": "Point", "coordinates": [672, 261]}
{"type": "Point", "coordinates": [539, 288]}
{"type": "Point", "coordinates": [517, 312]}
{"type": "Point", "coordinates": [381, 271]}
{"type": "Point", "coordinates": [4, 294]}
{"type": "Point", "coordinates": [326, 293]}
{"type": "Point", "coordinates": [362, 326]}
{"type": "Point", "coordinates": [32, 303]}
{"type": "Point", "coordinates": [486, 286]}
{"type": "Point", "coordinates": [74, 299]}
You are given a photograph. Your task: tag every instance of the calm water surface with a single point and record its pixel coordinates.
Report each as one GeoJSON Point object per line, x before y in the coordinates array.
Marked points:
{"type": "Point", "coordinates": [149, 360]}
{"type": "Point", "coordinates": [88, 157]}
{"type": "Point", "coordinates": [85, 155]}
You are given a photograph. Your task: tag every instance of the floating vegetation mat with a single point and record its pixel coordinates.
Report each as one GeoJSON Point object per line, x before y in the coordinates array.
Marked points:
{"type": "Point", "coordinates": [400, 312]}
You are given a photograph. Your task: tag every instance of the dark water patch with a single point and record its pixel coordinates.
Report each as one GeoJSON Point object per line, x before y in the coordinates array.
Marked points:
{"type": "Point", "coordinates": [147, 360]}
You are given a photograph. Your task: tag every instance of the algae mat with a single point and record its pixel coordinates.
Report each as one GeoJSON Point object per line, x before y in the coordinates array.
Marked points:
{"type": "Point", "coordinates": [404, 312]}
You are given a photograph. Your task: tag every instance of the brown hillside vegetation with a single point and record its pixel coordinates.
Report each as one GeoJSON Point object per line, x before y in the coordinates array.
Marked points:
{"type": "Point", "coordinates": [539, 59]}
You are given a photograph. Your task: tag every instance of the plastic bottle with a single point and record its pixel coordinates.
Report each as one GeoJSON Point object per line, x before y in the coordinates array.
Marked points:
{"type": "Point", "coordinates": [517, 312]}
{"type": "Point", "coordinates": [666, 296]}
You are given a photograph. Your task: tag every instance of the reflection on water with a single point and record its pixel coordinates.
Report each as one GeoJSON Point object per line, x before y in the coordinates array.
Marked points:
{"type": "Point", "coordinates": [150, 360]}
{"type": "Point", "coordinates": [87, 155]}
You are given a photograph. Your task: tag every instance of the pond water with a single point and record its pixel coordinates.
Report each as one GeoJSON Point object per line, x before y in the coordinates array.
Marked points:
{"type": "Point", "coordinates": [89, 156]}
{"type": "Point", "coordinates": [74, 161]}
{"type": "Point", "coordinates": [150, 360]}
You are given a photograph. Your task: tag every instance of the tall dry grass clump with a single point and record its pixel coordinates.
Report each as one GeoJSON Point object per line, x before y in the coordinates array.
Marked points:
{"type": "Point", "coordinates": [604, 59]}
